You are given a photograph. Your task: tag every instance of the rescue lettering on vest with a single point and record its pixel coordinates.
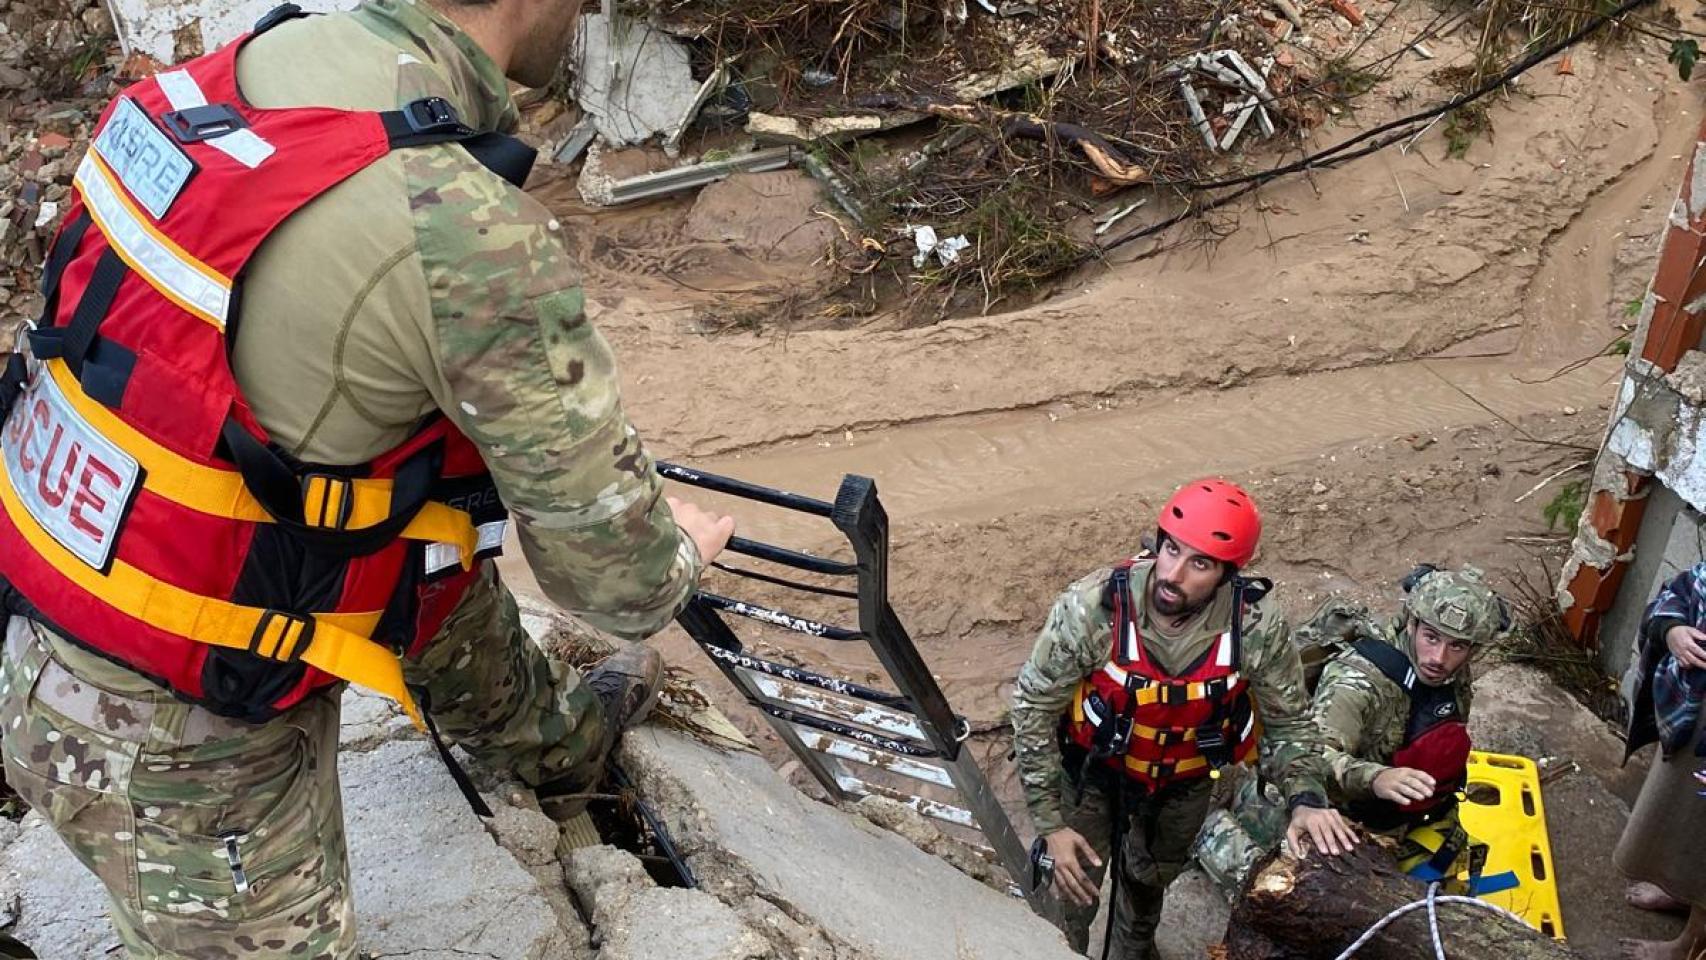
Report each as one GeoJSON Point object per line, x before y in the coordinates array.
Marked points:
{"type": "Point", "coordinates": [74, 482]}
{"type": "Point", "coordinates": [146, 161]}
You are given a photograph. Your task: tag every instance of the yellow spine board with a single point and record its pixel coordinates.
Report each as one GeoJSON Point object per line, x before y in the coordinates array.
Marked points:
{"type": "Point", "coordinates": [1504, 810]}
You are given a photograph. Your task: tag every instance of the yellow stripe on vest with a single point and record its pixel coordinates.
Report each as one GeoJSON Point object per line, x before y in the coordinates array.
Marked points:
{"type": "Point", "coordinates": [339, 646]}
{"type": "Point", "coordinates": [1156, 770]}
{"type": "Point", "coordinates": [168, 268]}
{"type": "Point", "coordinates": [221, 493]}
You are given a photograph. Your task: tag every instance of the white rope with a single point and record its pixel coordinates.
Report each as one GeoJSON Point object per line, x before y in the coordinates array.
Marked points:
{"type": "Point", "coordinates": [1433, 919]}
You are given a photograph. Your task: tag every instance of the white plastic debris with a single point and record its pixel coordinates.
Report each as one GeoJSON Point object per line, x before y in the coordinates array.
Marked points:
{"type": "Point", "coordinates": [924, 238]}
{"type": "Point", "coordinates": [49, 210]}
{"type": "Point", "coordinates": [948, 251]}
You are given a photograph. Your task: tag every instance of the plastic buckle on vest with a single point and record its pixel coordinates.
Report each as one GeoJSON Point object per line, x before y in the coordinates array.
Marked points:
{"type": "Point", "coordinates": [207, 122]}
{"type": "Point", "coordinates": [1175, 694]}
{"type": "Point", "coordinates": [433, 115]}
{"type": "Point", "coordinates": [327, 501]}
{"type": "Point", "coordinates": [281, 636]}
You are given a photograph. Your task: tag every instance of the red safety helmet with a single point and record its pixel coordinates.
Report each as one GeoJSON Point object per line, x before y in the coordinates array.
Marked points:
{"type": "Point", "coordinates": [1216, 518]}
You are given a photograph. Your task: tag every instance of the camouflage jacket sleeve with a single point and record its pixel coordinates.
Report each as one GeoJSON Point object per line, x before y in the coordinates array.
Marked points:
{"type": "Point", "coordinates": [1290, 750]}
{"type": "Point", "coordinates": [524, 374]}
{"type": "Point", "coordinates": [1349, 710]}
{"type": "Point", "coordinates": [1073, 644]}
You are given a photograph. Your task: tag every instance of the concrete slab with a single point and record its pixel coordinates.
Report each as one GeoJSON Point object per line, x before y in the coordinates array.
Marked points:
{"type": "Point", "coordinates": [154, 26]}
{"type": "Point", "coordinates": [635, 81]}
{"type": "Point", "coordinates": [62, 908]}
{"type": "Point", "coordinates": [634, 919]}
{"type": "Point", "coordinates": [748, 833]}
{"type": "Point", "coordinates": [430, 882]}
{"type": "Point", "coordinates": [1520, 710]}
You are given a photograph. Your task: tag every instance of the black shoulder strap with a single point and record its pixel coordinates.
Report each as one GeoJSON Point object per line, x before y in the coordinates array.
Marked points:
{"type": "Point", "coordinates": [1245, 590]}
{"type": "Point", "coordinates": [1428, 705]}
{"type": "Point", "coordinates": [1391, 662]}
{"type": "Point", "coordinates": [1117, 599]}
{"type": "Point", "coordinates": [276, 16]}
{"type": "Point", "coordinates": [434, 120]}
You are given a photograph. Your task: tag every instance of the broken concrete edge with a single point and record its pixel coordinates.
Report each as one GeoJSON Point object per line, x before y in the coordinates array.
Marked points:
{"type": "Point", "coordinates": [915, 828]}
{"type": "Point", "coordinates": [1657, 430]}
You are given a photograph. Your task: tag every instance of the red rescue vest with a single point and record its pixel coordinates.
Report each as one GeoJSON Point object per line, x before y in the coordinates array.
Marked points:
{"type": "Point", "coordinates": [1436, 741]}
{"type": "Point", "coordinates": [144, 513]}
{"type": "Point", "coordinates": [1173, 727]}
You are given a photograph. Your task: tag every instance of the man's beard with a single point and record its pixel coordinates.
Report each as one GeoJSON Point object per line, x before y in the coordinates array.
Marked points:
{"type": "Point", "coordinates": [1173, 602]}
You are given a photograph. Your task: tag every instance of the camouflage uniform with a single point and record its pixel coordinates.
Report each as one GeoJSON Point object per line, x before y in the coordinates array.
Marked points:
{"type": "Point", "coordinates": [422, 283]}
{"type": "Point", "coordinates": [1075, 642]}
{"type": "Point", "coordinates": [1362, 716]}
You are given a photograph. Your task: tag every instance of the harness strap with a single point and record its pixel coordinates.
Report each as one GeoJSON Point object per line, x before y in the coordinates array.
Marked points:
{"type": "Point", "coordinates": [433, 120]}
{"type": "Point", "coordinates": [286, 496]}
{"type": "Point", "coordinates": [64, 248]}
{"type": "Point", "coordinates": [464, 783]}
{"type": "Point", "coordinates": [1396, 667]}
{"type": "Point", "coordinates": [1390, 661]}
{"type": "Point", "coordinates": [336, 643]}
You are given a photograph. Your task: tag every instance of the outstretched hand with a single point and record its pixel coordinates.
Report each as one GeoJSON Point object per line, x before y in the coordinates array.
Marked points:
{"type": "Point", "coordinates": [710, 532]}
{"type": "Point", "coordinates": [1070, 852]}
{"type": "Point", "coordinates": [1324, 828]}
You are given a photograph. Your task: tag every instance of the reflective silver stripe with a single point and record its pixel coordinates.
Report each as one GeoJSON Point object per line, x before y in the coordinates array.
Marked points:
{"type": "Point", "coordinates": [1113, 670]}
{"type": "Point", "coordinates": [244, 146]}
{"type": "Point", "coordinates": [443, 556]}
{"type": "Point", "coordinates": [491, 535]}
{"type": "Point", "coordinates": [148, 252]}
{"type": "Point", "coordinates": [1094, 718]}
{"type": "Point", "coordinates": [1223, 652]}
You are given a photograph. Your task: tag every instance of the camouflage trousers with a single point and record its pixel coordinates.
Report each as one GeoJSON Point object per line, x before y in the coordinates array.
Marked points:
{"type": "Point", "coordinates": [1234, 840]}
{"type": "Point", "coordinates": [1158, 830]}
{"type": "Point", "coordinates": [219, 840]}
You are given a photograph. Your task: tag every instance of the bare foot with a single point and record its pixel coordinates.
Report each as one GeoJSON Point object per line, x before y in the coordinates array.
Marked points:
{"type": "Point", "coordinates": [1649, 896]}
{"type": "Point", "coordinates": [1652, 950]}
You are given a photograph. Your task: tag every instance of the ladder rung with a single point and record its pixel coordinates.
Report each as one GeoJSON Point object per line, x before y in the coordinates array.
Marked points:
{"type": "Point", "coordinates": [904, 766]}
{"type": "Point", "coordinates": [945, 812]}
{"type": "Point", "coordinates": [740, 488]}
{"type": "Point", "coordinates": [889, 744]}
{"type": "Point", "coordinates": [835, 685]}
{"type": "Point", "coordinates": [847, 711]}
{"type": "Point", "coordinates": [787, 621]}
{"type": "Point", "coordinates": [791, 558]}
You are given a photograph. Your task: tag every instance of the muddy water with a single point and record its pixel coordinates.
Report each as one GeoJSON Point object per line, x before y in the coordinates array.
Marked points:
{"type": "Point", "coordinates": [971, 469]}
{"type": "Point", "coordinates": [977, 468]}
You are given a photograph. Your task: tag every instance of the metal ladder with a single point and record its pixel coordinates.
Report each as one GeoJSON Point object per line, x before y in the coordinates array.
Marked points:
{"type": "Point", "coordinates": [828, 722]}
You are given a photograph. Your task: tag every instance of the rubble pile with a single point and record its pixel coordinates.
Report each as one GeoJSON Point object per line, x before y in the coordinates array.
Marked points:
{"type": "Point", "coordinates": [59, 63]}
{"type": "Point", "coordinates": [971, 152]}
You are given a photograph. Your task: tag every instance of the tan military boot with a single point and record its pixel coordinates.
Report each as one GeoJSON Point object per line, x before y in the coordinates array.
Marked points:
{"type": "Point", "coordinates": [627, 683]}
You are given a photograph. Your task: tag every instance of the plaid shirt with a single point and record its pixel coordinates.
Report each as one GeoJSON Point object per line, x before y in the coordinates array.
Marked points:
{"type": "Point", "coordinates": [1678, 691]}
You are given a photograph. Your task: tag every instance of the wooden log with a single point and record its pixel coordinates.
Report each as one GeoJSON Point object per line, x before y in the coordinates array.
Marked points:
{"type": "Point", "coordinates": [1313, 909]}
{"type": "Point", "coordinates": [1110, 162]}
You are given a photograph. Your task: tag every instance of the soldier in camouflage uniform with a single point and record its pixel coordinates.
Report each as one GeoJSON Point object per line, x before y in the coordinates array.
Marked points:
{"type": "Point", "coordinates": [1365, 718]}
{"type": "Point", "coordinates": [1185, 603]}
{"type": "Point", "coordinates": [423, 282]}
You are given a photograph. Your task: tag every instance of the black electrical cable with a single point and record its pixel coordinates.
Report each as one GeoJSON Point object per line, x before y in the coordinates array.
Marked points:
{"type": "Point", "coordinates": [1382, 136]}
